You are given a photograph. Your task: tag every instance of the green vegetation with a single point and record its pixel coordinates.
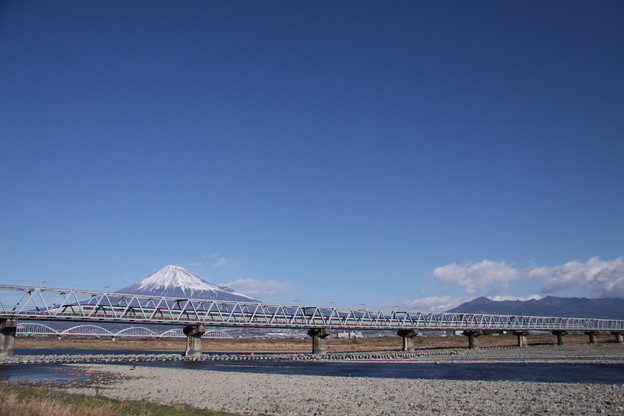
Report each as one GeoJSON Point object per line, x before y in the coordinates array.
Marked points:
{"type": "Point", "coordinates": [34, 401]}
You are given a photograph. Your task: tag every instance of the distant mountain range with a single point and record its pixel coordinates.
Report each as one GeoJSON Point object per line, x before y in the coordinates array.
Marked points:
{"type": "Point", "coordinates": [176, 281]}
{"type": "Point", "coordinates": [607, 308]}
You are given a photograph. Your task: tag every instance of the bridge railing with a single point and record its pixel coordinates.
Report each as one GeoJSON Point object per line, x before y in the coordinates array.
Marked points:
{"type": "Point", "coordinates": [47, 304]}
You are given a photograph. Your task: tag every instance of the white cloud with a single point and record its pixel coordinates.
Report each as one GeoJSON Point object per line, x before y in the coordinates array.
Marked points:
{"type": "Point", "coordinates": [478, 276]}
{"type": "Point", "coordinates": [605, 278]}
{"type": "Point", "coordinates": [253, 287]}
{"type": "Point", "coordinates": [500, 298]}
{"type": "Point", "coordinates": [435, 303]}
{"type": "Point", "coordinates": [221, 262]}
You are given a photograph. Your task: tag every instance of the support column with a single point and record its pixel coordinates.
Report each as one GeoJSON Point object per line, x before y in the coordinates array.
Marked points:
{"type": "Point", "coordinates": [522, 341]}
{"type": "Point", "coordinates": [618, 336]}
{"type": "Point", "coordinates": [560, 336]}
{"type": "Point", "coordinates": [592, 336]}
{"type": "Point", "coordinates": [8, 328]}
{"type": "Point", "coordinates": [318, 340]}
{"type": "Point", "coordinates": [472, 338]}
{"type": "Point", "coordinates": [193, 339]}
{"type": "Point", "coordinates": [408, 338]}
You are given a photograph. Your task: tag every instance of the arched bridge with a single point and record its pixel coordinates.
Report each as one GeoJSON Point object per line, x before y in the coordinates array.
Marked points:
{"type": "Point", "coordinates": [47, 304]}
{"type": "Point", "coordinates": [34, 328]}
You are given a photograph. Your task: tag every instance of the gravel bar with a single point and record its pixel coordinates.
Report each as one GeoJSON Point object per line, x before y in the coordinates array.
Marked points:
{"type": "Point", "coordinates": [601, 353]}
{"type": "Point", "coordinates": [285, 395]}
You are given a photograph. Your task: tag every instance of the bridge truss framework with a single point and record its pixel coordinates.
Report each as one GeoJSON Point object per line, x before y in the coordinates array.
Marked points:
{"type": "Point", "coordinates": [46, 304]}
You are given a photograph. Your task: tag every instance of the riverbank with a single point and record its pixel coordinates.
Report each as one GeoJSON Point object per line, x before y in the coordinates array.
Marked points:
{"type": "Point", "coordinates": [33, 401]}
{"type": "Point", "coordinates": [390, 343]}
{"type": "Point", "coordinates": [285, 395]}
{"type": "Point", "coordinates": [571, 354]}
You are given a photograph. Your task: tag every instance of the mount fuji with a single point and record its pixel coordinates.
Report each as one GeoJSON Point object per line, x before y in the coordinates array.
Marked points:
{"type": "Point", "coordinates": [176, 281]}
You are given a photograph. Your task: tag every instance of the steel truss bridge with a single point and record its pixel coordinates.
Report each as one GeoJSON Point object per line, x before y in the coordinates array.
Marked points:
{"type": "Point", "coordinates": [22, 303]}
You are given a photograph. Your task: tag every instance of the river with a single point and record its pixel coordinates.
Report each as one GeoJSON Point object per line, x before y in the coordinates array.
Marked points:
{"type": "Point", "coordinates": [528, 372]}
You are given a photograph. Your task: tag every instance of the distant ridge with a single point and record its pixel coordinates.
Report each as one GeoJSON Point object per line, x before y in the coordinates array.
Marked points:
{"type": "Point", "coordinates": [176, 281]}
{"type": "Point", "coordinates": [606, 308]}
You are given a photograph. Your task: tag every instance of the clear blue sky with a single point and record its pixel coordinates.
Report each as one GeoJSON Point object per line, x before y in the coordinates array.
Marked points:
{"type": "Point", "coordinates": [404, 153]}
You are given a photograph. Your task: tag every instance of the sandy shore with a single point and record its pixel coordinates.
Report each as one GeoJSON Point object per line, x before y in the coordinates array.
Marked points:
{"type": "Point", "coordinates": [270, 394]}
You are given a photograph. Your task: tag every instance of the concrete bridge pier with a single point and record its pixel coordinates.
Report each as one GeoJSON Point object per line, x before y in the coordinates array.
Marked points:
{"type": "Point", "coordinates": [8, 328]}
{"type": "Point", "coordinates": [472, 338]}
{"type": "Point", "coordinates": [560, 336]}
{"type": "Point", "coordinates": [618, 336]}
{"type": "Point", "coordinates": [319, 345]}
{"type": "Point", "coordinates": [193, 339]}
{"type": "Point", "coordinates": [592, 336]}
{"type": "Point", "coordinates": [522, 341]}
{"type": "Point", "coordinates": [408, 338]}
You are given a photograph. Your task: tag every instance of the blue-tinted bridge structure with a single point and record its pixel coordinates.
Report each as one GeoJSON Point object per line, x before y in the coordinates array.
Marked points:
{"type": "Point", "coordinates": [38, 329]}
{"type": "Point", "coordinates": [195, 316]}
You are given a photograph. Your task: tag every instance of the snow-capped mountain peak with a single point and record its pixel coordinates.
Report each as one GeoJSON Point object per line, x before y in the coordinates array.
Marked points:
{"type": "Point", "coordinates": [174, 276]}
{"type": "Point", "coordinates": [178, 282]}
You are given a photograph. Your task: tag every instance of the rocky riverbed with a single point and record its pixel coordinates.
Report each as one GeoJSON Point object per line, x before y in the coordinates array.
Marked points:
{"type": "Point", "coordinates": [601, 353]}
{"type": "Point", "coordinates": [284, 395]}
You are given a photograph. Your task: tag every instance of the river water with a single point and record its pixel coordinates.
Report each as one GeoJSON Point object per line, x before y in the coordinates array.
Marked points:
{"type": "Point", "coordinates": [529, 372]}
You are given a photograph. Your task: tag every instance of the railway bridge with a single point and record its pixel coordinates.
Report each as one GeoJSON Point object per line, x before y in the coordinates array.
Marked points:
{"type": "Point", "coordinates": [196, 316]}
